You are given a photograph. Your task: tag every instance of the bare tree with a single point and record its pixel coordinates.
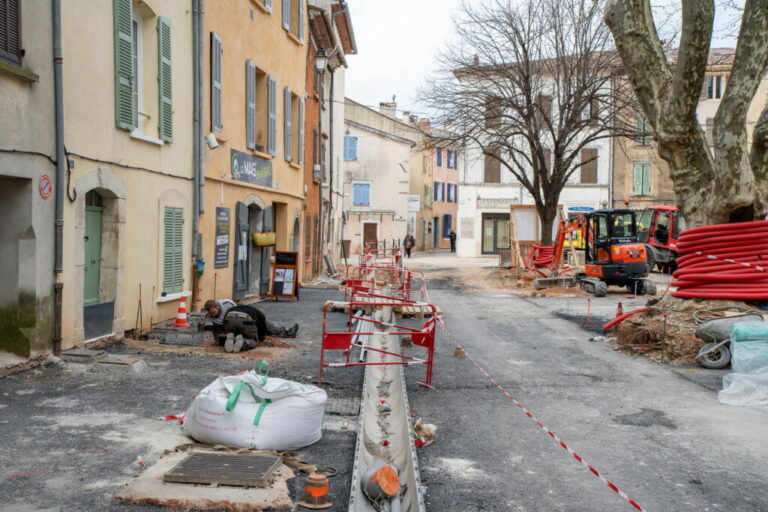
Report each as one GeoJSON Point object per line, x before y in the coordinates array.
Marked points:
{"type": "Point", "coordinates": [531, 85]}
{"type": "Point", "coordinates": [727, 184]}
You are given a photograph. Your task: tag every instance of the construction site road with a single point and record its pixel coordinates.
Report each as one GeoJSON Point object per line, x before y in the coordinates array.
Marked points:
{"type": "Point", "coordinates": [655, 430]}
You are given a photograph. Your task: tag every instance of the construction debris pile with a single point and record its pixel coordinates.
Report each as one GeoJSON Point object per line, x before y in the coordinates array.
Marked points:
{"type": "Point", "coordinates": [666, 331]}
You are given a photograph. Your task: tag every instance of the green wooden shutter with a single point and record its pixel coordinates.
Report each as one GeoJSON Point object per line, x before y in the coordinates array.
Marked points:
{"type": "Point", "coordinates": [301, 132]}
{"type": "Point", "coordinates": [646, 179]}
{"type": "Point", "coordinates": [637, 179]}
{"type": "Point", "coordinates": [250, 104]}
{"type": "Point", "coordinates": [272, 115]}
{"type": "Point", "coordinates": [287, 113]}
{"type": "Point", "coordinates": [173, 250]}
{"type": "Point", "coordinates": [125, 113]}
{"type": "Point", "coordinates": [164, 78]}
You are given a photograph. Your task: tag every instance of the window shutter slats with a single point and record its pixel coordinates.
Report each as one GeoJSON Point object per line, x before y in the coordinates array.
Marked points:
{"type": "Point", "coordinates": [301, 132]}
{"type": "Point", "coordinates": [250, 104]}
{"type": "Point", "coordinates": [287, 14]}
{"type": "Point", "coordinates": [350, 148]}
{"type": "Point", "coordinates": [287, 123]}
{"type": "Point", "coordinates": [10, 30]}
{"type": "Point", "coordinates": [646, 179]}
{"type": "Point", "coordinates": [272, 115]}
{"type": "Point", "coordinates": [301, 20]}
{"type": "Point", "coordinates": [589, 166]}
{"type": "Point", "coordinates": [439, 157]}
{"type": "Point", "coordinates": [125, 117]}
{"type": "Point", "coordinates": [164, 79]}
{"type": "Point", "coordinates": [216, 51]}
{"type": "Point", "coordinates": [173, 250]}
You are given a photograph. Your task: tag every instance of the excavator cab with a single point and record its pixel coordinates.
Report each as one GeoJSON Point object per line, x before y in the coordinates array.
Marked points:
{"type": "Point", "coordinates": [613, 254]}
{"type": "Point", "coordinates": [659, 227]}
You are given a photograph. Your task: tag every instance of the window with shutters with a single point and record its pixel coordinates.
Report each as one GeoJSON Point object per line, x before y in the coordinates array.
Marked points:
{"type": "Point", "coordinates": [361, 193]}
{"type": "Point", "coordinates": [294, 12]}
{"type": "Point", "coordinates": [164, 79]}
{"type": "Point", "coordinates": [437, 191]}
{"type": "Point", "coordinates": [641, 179]}
{"type": "Point", "coordinates": [216, 87]}
{"type": "Point", "coordinates": [10, 31]}
{"type": "Point", "coordinates": [288, 109]}
{"type": "Point", "coordinates": [256, 111]}
{"type": "Point", "coordinates": [642, 131]}
{"type": "Point", "coordinates": [125, 64]}
{"type": "Point", "coordinates": [350, 148]}
{"type": "Point", "coordinates": [271, 115]}
{"type": "Point", "coordinates": [297, 124]}
{"type": "Point", "coordinates": [492, 167]}
{"type": "Point", "coordinates": [173, 250]}
{"type": "Point", "coordinates": [589, 165]}
{"type": "Point", "coordinates": [439, 153]}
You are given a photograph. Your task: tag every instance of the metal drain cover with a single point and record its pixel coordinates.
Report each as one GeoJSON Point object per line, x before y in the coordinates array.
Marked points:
{"type": "Point", "coordinates": [343, 406]}
{"type": "Point", "coordinates": [242, 470]}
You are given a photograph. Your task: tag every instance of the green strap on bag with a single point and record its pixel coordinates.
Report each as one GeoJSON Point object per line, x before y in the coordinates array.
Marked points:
{"type": "Point", "coordinates": [233, 398]}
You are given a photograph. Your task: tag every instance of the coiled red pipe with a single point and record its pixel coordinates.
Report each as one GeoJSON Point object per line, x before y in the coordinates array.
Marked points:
{"type": "Point", "coordinates": [723, 261]}
{"type": "Point", "coordinates": [542, 255]}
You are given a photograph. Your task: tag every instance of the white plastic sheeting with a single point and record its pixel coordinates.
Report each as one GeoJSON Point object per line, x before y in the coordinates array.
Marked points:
{"type": "Point", "coordinates": [748, 384]}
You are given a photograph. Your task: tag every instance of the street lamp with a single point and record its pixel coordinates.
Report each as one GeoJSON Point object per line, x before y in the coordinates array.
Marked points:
{"type": "Point", "coordinates": [321, 60]}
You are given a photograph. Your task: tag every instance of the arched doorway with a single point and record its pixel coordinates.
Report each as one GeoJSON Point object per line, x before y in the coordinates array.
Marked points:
{"type": "Point", "coordinates": [296, 235]}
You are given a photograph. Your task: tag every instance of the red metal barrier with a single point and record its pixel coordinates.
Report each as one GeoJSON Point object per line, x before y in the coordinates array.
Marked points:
{"type": "Point", "coordinates": [345, 340]}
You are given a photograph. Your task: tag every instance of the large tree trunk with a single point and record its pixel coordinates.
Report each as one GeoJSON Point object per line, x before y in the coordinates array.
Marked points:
{"type": "Point", "coordinates": [728, 184]}
{"type": "Point", "coordinates": [547, 216]}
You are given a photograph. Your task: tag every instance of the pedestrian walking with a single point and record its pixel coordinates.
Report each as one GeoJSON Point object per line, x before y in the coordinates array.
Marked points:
{"type": "Point", "coordinates": [408, 243]}
{"type": "Point", "coordinates": [452, 236]}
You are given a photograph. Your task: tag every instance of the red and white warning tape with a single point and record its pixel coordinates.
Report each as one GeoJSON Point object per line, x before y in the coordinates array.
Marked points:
{"type": "Point", "coordinates": [551, 434]}
{"type": "Point", "coordinates": [729, 260]}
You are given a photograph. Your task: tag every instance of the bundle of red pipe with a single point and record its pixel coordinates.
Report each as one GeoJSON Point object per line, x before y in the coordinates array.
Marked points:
{"type": "Point", "coordinates": [542, 255]}
{"type": "Point", "coordinates": [723, 261]}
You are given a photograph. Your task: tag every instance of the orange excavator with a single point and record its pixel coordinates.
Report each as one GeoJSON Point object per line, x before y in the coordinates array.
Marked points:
{"type": "Point", "coordinates": [613, 255]}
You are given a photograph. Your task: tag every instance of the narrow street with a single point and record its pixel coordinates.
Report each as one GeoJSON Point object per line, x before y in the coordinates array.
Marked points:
{"type": "Point", "coordinates": [656, 431]}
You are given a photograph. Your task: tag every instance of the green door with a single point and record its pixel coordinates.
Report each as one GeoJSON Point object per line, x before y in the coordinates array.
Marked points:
{"type": "Point", "coordinates": [92, 254]}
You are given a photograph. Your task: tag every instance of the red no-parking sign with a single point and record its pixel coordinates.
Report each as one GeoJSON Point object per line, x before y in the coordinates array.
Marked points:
{"type": "Point", "coordinates": [46, 187]}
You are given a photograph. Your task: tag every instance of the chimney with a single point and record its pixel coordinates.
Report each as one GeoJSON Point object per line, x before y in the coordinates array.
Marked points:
{"type": "Point", "coordinates": [388, 108]}
{"type": "Point", "coordinates": [425, 125]}
{"type": "Point", "coordinates": [475, 60]}
{"type": "Point", "coordinates": [406, 116]}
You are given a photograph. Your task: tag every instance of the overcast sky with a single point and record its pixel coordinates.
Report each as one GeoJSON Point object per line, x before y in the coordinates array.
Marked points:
{"type": "Point", "coordinates": [397, 41]}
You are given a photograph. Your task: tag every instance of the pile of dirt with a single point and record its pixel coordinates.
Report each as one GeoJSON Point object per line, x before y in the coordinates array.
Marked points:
{"type": "Point", "coordinates": [271, 349]}
{"type": "Point", "coordinates": [515, 280]}
{"type": "Point", "coordinates": [646, 334]}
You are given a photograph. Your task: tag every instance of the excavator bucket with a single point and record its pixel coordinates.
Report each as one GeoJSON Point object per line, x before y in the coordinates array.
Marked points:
{"type": "Point", "coordinates": [555, 282]}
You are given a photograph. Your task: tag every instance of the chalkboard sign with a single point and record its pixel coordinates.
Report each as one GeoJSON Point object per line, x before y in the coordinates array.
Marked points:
{"type": "Point", "coordinates": [285, 276]}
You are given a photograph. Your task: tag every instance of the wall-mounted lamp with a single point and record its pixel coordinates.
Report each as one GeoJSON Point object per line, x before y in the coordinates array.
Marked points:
{"type": "Point", "coordinates": [321, 60]}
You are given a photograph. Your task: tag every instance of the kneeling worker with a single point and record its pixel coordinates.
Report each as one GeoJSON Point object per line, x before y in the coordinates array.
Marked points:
{"type": "Point", "coordinates": [244, 326]}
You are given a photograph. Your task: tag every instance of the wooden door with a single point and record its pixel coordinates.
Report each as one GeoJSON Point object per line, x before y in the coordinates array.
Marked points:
{"type": "Point", "coordinates": [370, 235]}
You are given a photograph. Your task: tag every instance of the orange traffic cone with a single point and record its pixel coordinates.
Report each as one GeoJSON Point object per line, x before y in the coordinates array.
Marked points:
{"type": "Point", "coordinates": [181, 315]}
{"type": "Point", "coordinates": [315, 494]}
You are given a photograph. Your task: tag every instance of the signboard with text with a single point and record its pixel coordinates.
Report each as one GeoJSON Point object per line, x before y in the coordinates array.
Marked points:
{"type": "Point", "coordinates": [221, 251]}
{"type": "Point", "coordinates": [250, 168]}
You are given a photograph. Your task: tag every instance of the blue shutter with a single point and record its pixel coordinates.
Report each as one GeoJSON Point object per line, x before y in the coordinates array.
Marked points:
{"type": "Point", "coordinates": [442, 192]}
{"type": "Point", "coordinates": [355, 194]}
{"type": "Point", "coordinates": [439, 157]}
{"type": "Point", "coordinates": [350, 148]}
{"type": "Point", "coordinates": [437, 188]}
{"type": "Point", "coordinates": [361, 194]}
{"type": "Point", "coordinates": [447, 223]}
{"type": "Point", "coordinates": [272, 115]}
{"type": "Point", "coordinates": [450, 159]}
{"type": "Point", "coordinates": [366, 194]}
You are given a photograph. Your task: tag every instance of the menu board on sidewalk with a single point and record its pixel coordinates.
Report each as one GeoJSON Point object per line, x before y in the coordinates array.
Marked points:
{"type": "Point", "coordinates": [285, 275]}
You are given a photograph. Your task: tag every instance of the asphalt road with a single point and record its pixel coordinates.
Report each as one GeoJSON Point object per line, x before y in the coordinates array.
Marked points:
{"type": "Point", "coordinates": [70, 434]}
{"type": "Point", "coordinates": [657, 434]}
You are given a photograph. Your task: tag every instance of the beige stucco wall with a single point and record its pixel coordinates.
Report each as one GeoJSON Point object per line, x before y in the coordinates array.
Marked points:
{"type": "Point", "coordinates": [137, 178]}
{"type": "Point", "coordinates": [246, 31]}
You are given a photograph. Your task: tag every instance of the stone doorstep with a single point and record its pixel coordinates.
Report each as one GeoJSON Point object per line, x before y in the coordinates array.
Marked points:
{"type": "Point", "coordinates": [85, 356]}
{"type": "Point", "coordinates": [121, 360]}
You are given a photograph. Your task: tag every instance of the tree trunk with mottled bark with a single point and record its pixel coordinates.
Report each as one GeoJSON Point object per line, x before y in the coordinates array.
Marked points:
{"type": "Point", "coordinates": [728, 183]}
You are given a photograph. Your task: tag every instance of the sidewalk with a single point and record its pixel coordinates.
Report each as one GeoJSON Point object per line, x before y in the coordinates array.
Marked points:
{"type": "Point", "coordinates": [446, 259]}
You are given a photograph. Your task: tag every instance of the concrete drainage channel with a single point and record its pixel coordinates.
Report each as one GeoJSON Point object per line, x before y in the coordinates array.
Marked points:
{"type": "Point", "coordinates": [385, 438]}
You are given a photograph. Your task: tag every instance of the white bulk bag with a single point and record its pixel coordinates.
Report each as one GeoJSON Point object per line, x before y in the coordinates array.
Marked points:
{"type": "Point", "coordinates": [258, 412]}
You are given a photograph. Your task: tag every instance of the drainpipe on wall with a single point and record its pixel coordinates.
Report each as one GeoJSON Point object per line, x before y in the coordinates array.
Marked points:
{"type": "Point", "coordinates": [197, 135]}
{"type": "Point", "coordinates": [330, 158]}
{"type": "Point", "coordinates": [58, 99]}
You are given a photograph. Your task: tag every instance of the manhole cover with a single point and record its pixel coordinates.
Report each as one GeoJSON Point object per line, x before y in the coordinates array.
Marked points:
{"type": "Point", "coordinates": [242, 470]}
{"type": "Point", "coordinates": [343, 406]}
